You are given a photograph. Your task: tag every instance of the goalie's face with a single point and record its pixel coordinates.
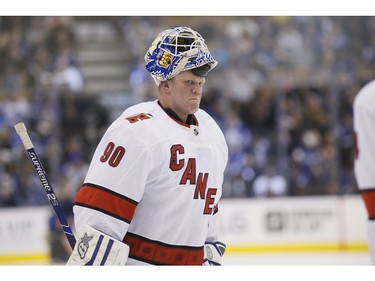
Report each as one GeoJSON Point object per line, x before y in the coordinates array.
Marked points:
{"type": "Point", "coordinates": [183, 93]}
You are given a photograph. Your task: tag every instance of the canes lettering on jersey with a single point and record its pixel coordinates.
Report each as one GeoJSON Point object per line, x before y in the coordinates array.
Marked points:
{"type": "Point", "coordinates": [176, 164]}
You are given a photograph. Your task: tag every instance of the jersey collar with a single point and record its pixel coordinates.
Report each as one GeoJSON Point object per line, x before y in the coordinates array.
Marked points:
{"type": "Point", "coordinates": [190, 120]}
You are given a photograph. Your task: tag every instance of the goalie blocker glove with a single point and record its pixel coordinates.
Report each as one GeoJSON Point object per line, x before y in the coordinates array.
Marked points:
{"type": "Point", "coordinates": [96, 248]}
{"type": "Point", "coordinates": [213, 251]}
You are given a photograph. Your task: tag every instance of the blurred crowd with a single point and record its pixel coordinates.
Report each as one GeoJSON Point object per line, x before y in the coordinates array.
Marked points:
{"type": "Point", "coordinates": [282, 94]}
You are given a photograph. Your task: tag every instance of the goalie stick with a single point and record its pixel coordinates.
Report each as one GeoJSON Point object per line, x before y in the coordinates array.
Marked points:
{"type": "Point", "coordinates": [24, 136]}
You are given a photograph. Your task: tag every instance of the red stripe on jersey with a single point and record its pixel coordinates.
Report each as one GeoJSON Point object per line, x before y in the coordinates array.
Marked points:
{"type": "Point", "coordinates": [106, 201]}
{"type": "Point", "coordinates": [368, 196]}
{"type": "Point", "coordinates": [158, 253]}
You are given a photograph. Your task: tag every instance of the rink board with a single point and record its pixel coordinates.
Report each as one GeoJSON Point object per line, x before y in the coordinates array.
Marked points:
{"type": "Point", "coordinates": [24, 235]}
{"type": "Point", "coordinates": [297, 224]}
{"type": "Point", "coordinates": [303, 224]}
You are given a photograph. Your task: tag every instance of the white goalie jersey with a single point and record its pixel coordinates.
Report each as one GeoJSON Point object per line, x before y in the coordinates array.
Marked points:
{"type": "Point", "coordinates": [155, 183]}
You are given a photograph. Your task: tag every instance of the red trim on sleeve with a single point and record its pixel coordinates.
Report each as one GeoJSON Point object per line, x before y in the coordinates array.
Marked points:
{"type": "Point", "coordinates": [106, 201]}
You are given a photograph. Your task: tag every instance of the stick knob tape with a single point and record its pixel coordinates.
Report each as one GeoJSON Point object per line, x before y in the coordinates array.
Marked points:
{"type": "Point", "coordinates": [22, 132]}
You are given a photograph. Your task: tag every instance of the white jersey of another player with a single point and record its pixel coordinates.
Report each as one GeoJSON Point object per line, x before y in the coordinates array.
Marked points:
{"type": "Point", "coordinates": [155, 183]}
{"type": "Point", "coordinates": [364, 165]}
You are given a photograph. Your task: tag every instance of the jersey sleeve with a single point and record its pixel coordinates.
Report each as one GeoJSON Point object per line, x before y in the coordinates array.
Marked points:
{"type": "Point", "coordinates": [214, 226]}
{"type": "Point", "coordinates": [114, 183]}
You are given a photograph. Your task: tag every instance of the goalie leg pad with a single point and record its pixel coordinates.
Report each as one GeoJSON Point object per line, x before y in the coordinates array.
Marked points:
{"type": "Point", "coordinates": [213, 251]}
{"type": "Point", "coordinates": [96, 248]}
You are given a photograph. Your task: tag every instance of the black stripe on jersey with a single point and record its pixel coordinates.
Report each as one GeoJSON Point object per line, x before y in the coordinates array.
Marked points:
{"type": "Point", "coordinates": [111, 192]}
{"type": "Point", "coordinates": [216, 209]}
{"type": "Point", "coordinates": [102, 211]}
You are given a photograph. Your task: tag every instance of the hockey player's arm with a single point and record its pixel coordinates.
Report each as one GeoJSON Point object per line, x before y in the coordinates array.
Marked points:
{"type": "Point", "coordinates": [213, 248]}
{"type": "Point", "coordinates": [104, 206]}
{"type": "Point", "coordinates": [96, 248]}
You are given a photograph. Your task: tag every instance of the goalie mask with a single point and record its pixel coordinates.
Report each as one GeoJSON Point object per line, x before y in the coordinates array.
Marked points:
{"type": "Point", "coordinates": [175, 50]}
